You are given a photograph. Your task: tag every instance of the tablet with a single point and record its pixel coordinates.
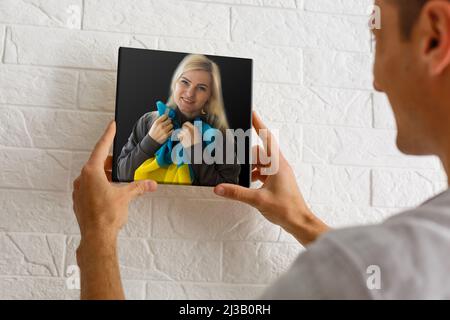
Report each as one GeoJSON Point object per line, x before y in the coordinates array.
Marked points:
{"type": "Point", "coordinates": [182, 118]}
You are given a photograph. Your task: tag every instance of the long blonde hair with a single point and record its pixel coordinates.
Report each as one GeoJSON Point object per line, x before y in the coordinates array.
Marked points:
{"type": "Point", "coordinates": [214, 108]}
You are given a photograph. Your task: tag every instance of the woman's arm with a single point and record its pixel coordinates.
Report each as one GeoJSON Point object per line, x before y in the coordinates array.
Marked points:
{"type": "Point", "coordinates": [139, 147]}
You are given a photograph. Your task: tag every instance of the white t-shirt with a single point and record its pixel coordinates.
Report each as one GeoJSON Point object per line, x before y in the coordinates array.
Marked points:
{"type": "Point", "coordinates": [405, 257]}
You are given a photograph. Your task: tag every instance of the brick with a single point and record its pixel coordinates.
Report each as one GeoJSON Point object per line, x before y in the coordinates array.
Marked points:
{"type": "Point", "coordinates": [37, 86]}
{"type": "Point", "coordinates": [340, 6]}
{"type": "Point", "coordinates": [253, 262]}
{"type": "Point", "coordinates": [186, 19]}
{"type": "Point", "coordinates": [97, 91]}
{"type": "Point", "coordinates": [322, 184]}
{"type": "Point", "coordinates": [300, 29]}
{"type": "Point", "coordinates": [383, 114]}
{"type": "Point", "coordinates": [65, 48]}
{"type": "Point", "coordinates": [195, 219]}
{"type": "Point", "coordinates": [164, 259]}
{"type": "Point", "coordinates": [40, 288]}
{"type": "Point", "coordinates": [405, 188]}
{"type": "Point", "coordinates": [43, 212]}
{"type": "Point", "coordinates": [262, 3]}
{"type": "Point", "coordinates": [13, 130]}
{"type": "Point", "coordinates": [133, 290]}
{"type": "Point", "coordinates": [25, 254]}
{"type": "Point", "coordinates": [15, 288]}
{"type": "Point", "coordinates": [34, 169]}
{"type": "Point", "coordinates": [53, 13]}
{"type": "Point", "coordinates": [338, 69]}
{"type": "Point", "coordinates": [361, 147]}
{"type": "Point", "coordinates": [288, 68]}
{"type": "Point", "coordinates": [289, 103]}
{"type": "Point", "coordinates": [70, 130]}
{"type": "Point", "coordinates": [196, 291]}
{"type": "Point", "coordinates": [344, 216]}
{"type": "Point", "coordinates": [2, 39]}
{"type": "Point", "coordinates": [290, 139]}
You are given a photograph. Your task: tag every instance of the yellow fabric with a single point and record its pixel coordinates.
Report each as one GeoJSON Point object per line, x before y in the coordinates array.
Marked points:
{"type": "Point", "coordinates": [150, 169]}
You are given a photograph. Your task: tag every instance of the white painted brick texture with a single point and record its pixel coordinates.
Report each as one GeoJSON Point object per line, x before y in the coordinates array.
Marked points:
{"type": "Point", "coordinates": [312, 80]}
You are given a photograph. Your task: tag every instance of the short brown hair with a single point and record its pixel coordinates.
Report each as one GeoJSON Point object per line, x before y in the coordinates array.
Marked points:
{"type": "Point", "coordinates": [409, 11]}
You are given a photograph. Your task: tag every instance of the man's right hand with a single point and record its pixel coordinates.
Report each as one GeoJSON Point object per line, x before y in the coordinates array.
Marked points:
{"type": "Point", "coordinates": [161, 129]}
{"type": "Point", "coordinates": [279, 199]}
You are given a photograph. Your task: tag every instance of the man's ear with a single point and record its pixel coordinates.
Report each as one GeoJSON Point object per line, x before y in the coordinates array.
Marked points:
{"type": "Point", "coordinates": [434, 29]}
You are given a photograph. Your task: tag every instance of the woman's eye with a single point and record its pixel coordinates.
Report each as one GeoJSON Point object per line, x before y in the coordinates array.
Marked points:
{"type": "Point", "coordinates": [184, 82]}
{"type": "Point", "coordinates": [202, 88]}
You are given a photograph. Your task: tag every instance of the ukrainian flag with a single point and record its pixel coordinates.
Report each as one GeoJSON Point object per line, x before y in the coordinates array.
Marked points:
{"type": "Point", "coordinates": [160, 167]}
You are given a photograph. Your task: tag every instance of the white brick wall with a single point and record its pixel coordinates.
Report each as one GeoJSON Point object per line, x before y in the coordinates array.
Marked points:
{"type": "Point", "coordinates": [312, 79]}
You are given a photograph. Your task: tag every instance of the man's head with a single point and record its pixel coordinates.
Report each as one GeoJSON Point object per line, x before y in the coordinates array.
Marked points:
{"type": "Point", "coordinates": [412, 66]}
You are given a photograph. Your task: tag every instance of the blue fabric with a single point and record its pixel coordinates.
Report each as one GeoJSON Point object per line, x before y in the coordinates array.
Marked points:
{"type": "Point", "coordinates": [163, 155]}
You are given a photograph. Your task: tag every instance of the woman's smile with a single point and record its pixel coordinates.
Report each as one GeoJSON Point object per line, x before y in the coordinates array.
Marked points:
{"type": "Point", "coordinates": [188, 101]}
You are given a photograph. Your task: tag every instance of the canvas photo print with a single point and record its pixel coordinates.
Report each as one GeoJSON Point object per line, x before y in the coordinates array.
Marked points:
{"type": "Point", "coordinates": [182, 118]}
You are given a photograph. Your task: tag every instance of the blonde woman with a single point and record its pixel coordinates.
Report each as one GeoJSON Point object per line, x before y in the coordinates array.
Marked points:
{"type": "Point", "coordinates": [195, 93]}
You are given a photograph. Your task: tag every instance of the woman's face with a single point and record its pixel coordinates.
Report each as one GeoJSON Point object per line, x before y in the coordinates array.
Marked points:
{"type": "Point", "coordinates": [192, 91]}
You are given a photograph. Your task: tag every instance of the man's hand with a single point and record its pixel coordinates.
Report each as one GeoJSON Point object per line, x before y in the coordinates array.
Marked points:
{"type": "Point", "coordinates": [100, 206]}
{"type": "Point", "coordinates": [279, 199]}
{"type": "Point", "coordinates": [101, 209]}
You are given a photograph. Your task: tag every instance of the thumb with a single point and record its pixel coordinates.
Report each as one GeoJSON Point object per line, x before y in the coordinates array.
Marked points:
{"type": "Point", "coordinates": [137, 188]}
{"type": "Point", "coordinates": [238, 193]}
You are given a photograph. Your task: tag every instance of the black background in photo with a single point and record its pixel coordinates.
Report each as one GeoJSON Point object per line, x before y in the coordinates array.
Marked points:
{"type": "Point", "coordinates": [144, 77]}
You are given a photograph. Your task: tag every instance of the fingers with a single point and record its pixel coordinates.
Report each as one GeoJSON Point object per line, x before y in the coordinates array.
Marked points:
{"type": "Point", "coordinates": [264, 133]}
{"type": "Point", "coordinates": [259, 157]}
{"type": "Point", "coordinates": [162, 118]}
{"type": "Point", "coordinates": [181, 135]}
{"type": "Point", "coordinates": [166, 124]}
{"type": "Point", "coordinates": [238, 193]}
{"type": "Point", "coordinates": [137, 188]}
{"type": "Point", "coordinates": [257, 122]}
{"type": "Point", "coordinates": [101, 150]}
{"type": "Point", "coordinates": [108, 163]}
{"type": "Point", "coordinates": [108, 168]}
{"type": "Point", "coordinates": [257, 176]}
{"type": "Point", "coordinates": [76, 184]}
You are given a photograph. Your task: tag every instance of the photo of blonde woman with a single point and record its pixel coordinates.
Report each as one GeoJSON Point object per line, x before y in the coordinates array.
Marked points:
{"type": "Point", "coordinates": [195, 105]}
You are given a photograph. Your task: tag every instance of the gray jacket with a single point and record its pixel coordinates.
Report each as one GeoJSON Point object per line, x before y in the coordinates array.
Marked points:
{"type": "Point", "coordinates": [140, 147]}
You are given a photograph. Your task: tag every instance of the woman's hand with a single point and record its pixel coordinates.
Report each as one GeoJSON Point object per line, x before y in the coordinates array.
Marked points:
{"type": "Point", "coordinates": [161, 129]}
{"type": "Point", "coordinates": [189, 135]}
{"type": "Point", "coordinates": [279, 199]}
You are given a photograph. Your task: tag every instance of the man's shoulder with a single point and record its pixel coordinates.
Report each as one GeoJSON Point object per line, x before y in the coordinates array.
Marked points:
{"type": "Point", "coordinates": [405, 257]}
